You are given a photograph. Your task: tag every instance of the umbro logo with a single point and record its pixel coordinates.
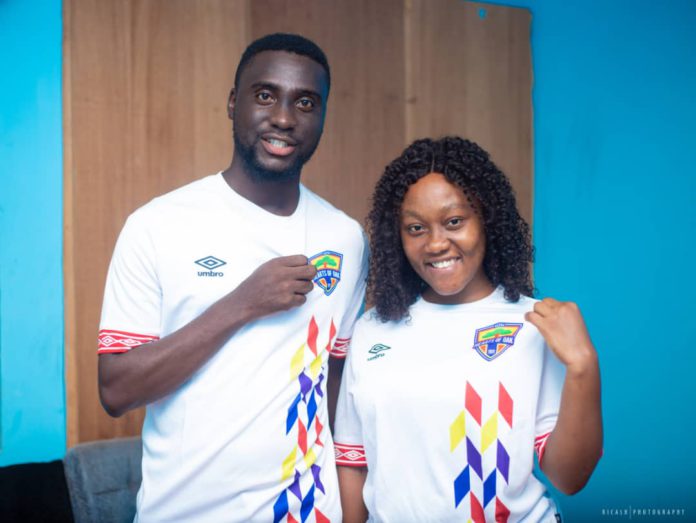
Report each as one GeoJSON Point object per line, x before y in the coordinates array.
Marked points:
{"type": "Point", "coordinates": [379, 348]}
{"type": "Point", "coordinates": [211, 263]}
{"type": "Point", "coordinates": [378, 351]}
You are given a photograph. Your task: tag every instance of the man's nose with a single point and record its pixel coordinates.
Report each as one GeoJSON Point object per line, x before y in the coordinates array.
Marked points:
{"type": "Point", "coordinates": [283, 116]}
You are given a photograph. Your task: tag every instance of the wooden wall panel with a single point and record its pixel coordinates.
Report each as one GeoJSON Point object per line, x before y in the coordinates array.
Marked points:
{"type": "Point", "coordinates": [469, 73]}
{"type": "Point", "coordinates": [146, 84]}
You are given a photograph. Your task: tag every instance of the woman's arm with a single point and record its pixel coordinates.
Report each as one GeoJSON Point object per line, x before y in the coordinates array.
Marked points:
{"type": "Point", "coordinates": [575, 445]}
{"type": "Point", "coordinates": [351, 481]}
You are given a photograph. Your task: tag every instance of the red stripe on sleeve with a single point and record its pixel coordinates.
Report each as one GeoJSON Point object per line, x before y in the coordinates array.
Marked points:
{"type": "Point", "coordinates": [340, 348]}
{"type": "Point", "coordinates": [113, 341]}
{"type": "Point", "coordinates": [350, 455]}
{"type": "Point", "coordinates": [540, 445]}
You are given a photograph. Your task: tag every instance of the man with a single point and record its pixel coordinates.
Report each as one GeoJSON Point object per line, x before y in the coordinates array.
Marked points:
{"type": "Point", "coordinates": [222, 302]}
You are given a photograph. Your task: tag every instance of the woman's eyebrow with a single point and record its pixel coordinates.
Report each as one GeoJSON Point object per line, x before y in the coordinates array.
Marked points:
{"type": "Point", "coordinates": [450, 207]}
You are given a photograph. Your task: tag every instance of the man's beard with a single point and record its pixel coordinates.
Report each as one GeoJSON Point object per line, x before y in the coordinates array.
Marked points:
{"type": "Point", "coordinates": [259, 173]}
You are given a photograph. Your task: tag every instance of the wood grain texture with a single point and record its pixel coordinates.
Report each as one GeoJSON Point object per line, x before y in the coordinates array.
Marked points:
{"type": "Point", "coordinates": [146, 90]}
{"type": "Point", "coordinates": [72, 406]}
{"type": "Point", "coordinates": [146, 85]}
{"type": "Point", "coordinates": [469, 73]}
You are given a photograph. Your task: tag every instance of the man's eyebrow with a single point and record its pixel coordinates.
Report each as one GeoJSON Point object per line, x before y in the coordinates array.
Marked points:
{"type": "Point", "coordinates": [275, 87]}
{"type": "Point", "coordinates": [264, 85]}
{"type": "Point", "coordinates": [310, 92]}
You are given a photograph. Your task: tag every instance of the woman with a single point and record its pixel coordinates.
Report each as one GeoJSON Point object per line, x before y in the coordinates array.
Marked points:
{"type": "Point", "coordinates": [457, 377]}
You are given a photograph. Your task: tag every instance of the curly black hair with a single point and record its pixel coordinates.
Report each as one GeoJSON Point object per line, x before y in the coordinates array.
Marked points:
{"type": "Point", "coordinates": [393, 285]}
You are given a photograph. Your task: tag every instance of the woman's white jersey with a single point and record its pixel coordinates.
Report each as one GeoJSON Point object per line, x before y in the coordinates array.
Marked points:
{"type": "Point", "coordinates": [446, 409]}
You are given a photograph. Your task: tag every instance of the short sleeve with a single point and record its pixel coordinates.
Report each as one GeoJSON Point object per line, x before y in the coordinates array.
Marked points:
{"type": "Point", "coordinates": [548, 404]}
{"type": "Point", "coordinates": [348, 440]}
{"type": "Point", "coordinates": [131, 310]}
{"type": "Point", "coordinates": [354, 309]}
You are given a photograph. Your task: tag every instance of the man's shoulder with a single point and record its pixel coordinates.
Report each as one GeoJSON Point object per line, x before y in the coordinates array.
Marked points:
{"type": "Point", "coordinates": [198, 190]}
{"type": "Point", "coordinates": [198, 193]}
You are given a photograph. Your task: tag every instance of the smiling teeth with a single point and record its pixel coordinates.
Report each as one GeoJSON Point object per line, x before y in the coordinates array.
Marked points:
{"type": "Point", "coordinates": [277, 143]}
{"type": "Point", "coordinates": [443, 264]}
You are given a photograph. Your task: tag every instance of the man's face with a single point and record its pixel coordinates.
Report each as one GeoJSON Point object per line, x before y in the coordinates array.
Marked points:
{"type": "Point", "coordinates": [278, 113]}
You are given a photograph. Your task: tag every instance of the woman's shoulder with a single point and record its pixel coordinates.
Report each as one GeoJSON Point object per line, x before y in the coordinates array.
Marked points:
{"type": "Point", "coordinates": [371, 321]}
{"type": "Point", "coordinates": [370, 324]}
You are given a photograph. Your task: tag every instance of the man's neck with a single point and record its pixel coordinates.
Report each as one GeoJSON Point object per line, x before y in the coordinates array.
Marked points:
{"type": "Point", "coordinates": [277, 197]}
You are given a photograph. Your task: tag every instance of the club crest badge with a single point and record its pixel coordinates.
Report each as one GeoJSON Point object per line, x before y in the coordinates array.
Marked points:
{"type": "Point", "coordinates": [328, 264]}
{"type": "Point", "coordinates": [491, 341]}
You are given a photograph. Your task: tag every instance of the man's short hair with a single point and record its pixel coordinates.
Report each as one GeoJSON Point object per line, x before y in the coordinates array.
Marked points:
{"type": "Point", "coordinates": [291, 43]}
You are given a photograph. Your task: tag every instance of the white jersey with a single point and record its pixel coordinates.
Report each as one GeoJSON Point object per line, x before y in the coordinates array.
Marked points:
{"type": "Point", "coordinates": [445, 410]}
{"type": "Point", "coordinates": [246, 438]}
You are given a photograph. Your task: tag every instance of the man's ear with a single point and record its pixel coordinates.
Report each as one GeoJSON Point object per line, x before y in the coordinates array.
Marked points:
{"type": "Point", "coordinates": [230, 104]}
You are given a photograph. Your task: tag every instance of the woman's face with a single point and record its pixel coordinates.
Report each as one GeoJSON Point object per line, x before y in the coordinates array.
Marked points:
{"type": "Point", "coordinates": [444, 240]}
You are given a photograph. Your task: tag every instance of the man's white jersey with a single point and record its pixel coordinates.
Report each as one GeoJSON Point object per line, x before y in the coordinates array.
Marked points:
{"type": "Point", "coordinates": [246, 438]}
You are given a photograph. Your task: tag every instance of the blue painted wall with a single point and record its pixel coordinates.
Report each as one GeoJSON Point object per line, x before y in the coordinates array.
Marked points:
{"type": "Point", "coordinates": [615, 186]}
{"type": "Point", "coordinates": [32, 397]}
{"type": "Point", "coordinates": [614, 226]}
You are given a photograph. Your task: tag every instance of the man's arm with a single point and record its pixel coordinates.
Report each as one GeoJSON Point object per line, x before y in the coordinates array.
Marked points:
{"type": "Point", "coordinates": [351, 481]}
{"type": "Point", "coordinates": [334, 386]}
{"type": "Point", "coordinates": [151, 371]}
{"type": "Point", "coordinates": [575, 445]}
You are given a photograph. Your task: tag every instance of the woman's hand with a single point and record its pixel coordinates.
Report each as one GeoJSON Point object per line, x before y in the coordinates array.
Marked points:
{"type": "Point", "coordinates": [575, 445]}
{"type": "Point", "coordinates": [563, 327]}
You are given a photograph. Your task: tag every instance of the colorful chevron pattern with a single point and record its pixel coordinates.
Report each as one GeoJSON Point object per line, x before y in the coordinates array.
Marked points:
{"type": "Point", "coordinates": [297, 502]}
{"type": "Point", "coordinates": [487, 460]}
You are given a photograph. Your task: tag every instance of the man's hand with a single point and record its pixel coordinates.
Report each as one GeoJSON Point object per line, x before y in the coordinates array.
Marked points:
{"type": "Point", "coordinates": [278, 285]}
{"type": "Point", "coordinates": [562, 326]}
